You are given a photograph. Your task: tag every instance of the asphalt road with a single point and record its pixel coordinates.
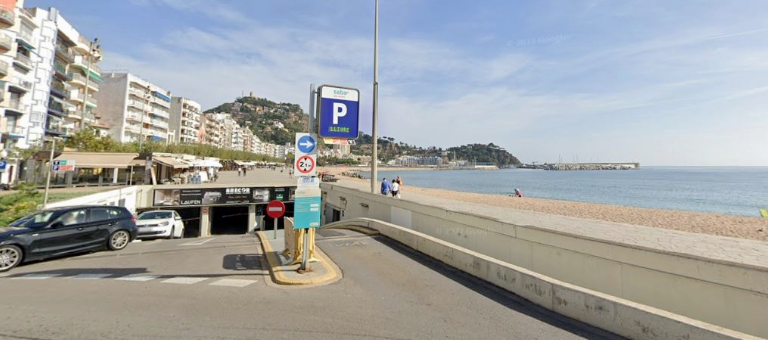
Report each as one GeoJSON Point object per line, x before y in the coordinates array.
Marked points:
{"type": "Point", "coordinates": [217, 288]}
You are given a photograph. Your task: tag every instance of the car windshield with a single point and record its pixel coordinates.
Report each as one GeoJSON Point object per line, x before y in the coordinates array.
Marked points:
{"type": "Point", "coordinates": [153, 215]}
{"type": "Point", "coordinates": [35, 220]}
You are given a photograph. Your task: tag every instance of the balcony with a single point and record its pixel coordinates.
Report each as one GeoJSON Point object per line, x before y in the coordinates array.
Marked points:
{"type": "Point", "coordinates": [136, 104]}
{"type": "Point", "coordinates": [23, 62]}
{"type": "Point", "coordinates": [84, 64]}
{"type": "Point", "coordinates": [91, 101]}
{"type": "Point", "coordinates": [56, 108]}
{"type": "Point", "coordinates": [6, 43]}
{"type": "Point", "coordinates": [3, 69]}
{"type": "Point", "coordinates": [61, 70]}
{"type": "Point", "coordinates": [15, 108]}
{"type": "Point", "coordinates": [15, 132]}
{"type": "Point", "coordinates": [20, 85]}
{"type": "Point", "coordinates": [7, 17]}
{"type": "Point", "coordinates": [76, 97]}
{"type": "Point", "coordinates": [25, 38]}
{"type": "Point", "coordinates": [133, 117]}
{"type": "Point", "coordinates": [57, 129]}
{"type": "Point", "coordinates": [59, 89]}
{"type": "Point", "coordinates": [64, 53]}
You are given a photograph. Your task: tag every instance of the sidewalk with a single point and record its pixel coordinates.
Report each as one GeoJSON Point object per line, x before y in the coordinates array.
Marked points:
{"type": "Point", "coordinates": [322, 272]}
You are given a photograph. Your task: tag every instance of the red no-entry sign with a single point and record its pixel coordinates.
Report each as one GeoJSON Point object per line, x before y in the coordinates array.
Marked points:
{"type": "Point", "coordinates": [275, 209]}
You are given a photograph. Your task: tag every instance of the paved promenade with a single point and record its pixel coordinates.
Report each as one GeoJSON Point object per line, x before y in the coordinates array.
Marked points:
{"type": "Point", "coordinates": [715, 248]}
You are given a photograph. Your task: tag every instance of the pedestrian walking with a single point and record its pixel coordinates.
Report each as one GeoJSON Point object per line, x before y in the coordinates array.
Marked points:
{"type": "Point", "coordinates": [239, 171]}
{"type": "Point", "coordinates": [385, 187]}
{"type": "Point", "coordinates": [395, 189]}
{"type": "Point", "coordinates": [245, 171]}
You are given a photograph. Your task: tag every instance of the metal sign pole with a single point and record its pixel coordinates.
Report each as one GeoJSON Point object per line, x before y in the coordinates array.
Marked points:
{"type": "Point", "coordinates": [48, 178]}
{"type": "Point", "coordinates": [312, 129]}
{"type": "Point", "coordinates": [274, 229]}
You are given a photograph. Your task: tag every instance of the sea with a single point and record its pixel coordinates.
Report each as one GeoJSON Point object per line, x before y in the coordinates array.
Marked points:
{"type": "Point", "coordinates": [724, 190]}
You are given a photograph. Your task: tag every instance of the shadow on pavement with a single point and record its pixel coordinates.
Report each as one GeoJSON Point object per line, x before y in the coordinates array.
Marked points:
{"type": "Point", "coordinates": [499, 295]}
{"type": "Point", "coordinates": [116, 272]}
{"type": "Point", "coordinates": [242, 262]}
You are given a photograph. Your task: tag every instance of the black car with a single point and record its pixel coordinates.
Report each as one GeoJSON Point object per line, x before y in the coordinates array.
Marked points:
{"type": "Point", "coordinates": [61, 231]}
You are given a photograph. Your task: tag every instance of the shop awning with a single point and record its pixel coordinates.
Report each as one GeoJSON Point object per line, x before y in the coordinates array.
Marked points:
{"type": "Point", "coordinates": [171, 162]}
{"type": "Point", "coordinates": [240, 163]}
{"type": "Point", "coordinates": [99, 159]}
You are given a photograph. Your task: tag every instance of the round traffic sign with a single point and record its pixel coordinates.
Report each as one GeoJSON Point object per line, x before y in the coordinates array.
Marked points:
{"type": "Point", "coordinates": [275, 209]}
{"type": "Point", "coordinates": [306, 144]}
{"type": "Point", "coordinates": [305, 164]}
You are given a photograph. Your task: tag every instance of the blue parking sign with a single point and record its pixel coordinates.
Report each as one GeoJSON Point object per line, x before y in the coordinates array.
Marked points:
{"type": "Point", "coordinates": [3, 164]}
{"type": "Point", "coordinates": [339, 112]}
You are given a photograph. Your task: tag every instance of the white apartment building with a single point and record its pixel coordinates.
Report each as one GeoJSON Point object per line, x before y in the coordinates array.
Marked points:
{"type": "Point", "coordinates": [16, 85]}
{"type": "Point", "coordinates": [134, 108]}
{"type": "Point", "coordinates": [186, 120]}
{"type": "Point", "coordinates": [66, 75]}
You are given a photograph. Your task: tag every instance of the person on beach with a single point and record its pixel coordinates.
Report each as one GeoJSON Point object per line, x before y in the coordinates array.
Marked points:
{"type": "Point", "coordinates": [395, 189]}
{"type": "Point", "coordinates": [518, 193]}
{"type": "Point", "coordinates": [385, 187]}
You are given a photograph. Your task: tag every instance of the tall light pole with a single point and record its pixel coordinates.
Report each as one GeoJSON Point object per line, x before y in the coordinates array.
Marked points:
{"type": "Point", "coordinates": [50, 169]}
{"type": "Point", "coordinates": [375, 134]}
{"type": "Point", "coordinates": [91, 51]}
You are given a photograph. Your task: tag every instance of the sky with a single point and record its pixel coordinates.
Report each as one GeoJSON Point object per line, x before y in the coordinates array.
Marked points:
{"type": "Point", "coordinates": [681, 82]}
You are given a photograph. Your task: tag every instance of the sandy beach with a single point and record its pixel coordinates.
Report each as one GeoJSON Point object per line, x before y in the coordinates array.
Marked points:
{"type": "Point", "coordinates": [754, 228]}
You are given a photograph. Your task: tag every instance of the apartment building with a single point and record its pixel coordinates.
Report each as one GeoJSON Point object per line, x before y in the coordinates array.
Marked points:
{"type": "Point", "coordinates": [186, 120]}
{"type": "Point", "coordinates": [134, 108]}
{"type": "Point", "coordinates": [15, 86]}
{"type": "Point", "coordinates": [66, 76]}
{"type": "Point", "coordinates": [212, 130]}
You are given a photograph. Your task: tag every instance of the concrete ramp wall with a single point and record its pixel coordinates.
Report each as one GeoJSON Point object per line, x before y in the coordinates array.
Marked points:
{"type": "Point", "coordinates": [676, 295]}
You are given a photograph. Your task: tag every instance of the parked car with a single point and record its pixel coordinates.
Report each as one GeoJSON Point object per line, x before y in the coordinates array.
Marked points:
{"type": "Point", "coordinates": [61, 231]}
{"type": "Point", "coordinates": [160, 223]}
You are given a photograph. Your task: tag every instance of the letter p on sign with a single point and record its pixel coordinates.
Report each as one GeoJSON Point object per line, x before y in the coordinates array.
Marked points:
{"type": "Point", "coordinates": [339, 110]}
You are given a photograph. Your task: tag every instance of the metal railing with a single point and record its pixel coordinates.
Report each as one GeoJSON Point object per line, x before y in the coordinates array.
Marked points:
{"type": "Point", "coordinates": [59, 86]}
{"type": "Point", "coordinates": [92, 100]}
{"type": "Point", "coordinates": [15, 130]}
{"type": "Point", "coordinates": [3, 68]}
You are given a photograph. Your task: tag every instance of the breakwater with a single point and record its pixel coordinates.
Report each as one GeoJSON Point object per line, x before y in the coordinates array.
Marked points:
{"type": "Point", "coordinates": [583, 166]}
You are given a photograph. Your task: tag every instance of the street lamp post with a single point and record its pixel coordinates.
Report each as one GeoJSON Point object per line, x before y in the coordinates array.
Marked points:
{"type": "Point", "coordinates": [50, 169]}
{"type": "Point", "coordinates": [375, 134]}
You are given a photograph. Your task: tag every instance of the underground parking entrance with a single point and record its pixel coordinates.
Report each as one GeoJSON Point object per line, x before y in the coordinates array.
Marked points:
{"type": "Point", "coordinates": [229, 220]}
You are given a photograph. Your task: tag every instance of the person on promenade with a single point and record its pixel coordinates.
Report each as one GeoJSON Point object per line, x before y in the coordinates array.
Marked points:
{"type": "Point", "coordinates": [385, 187]}
{"type": "Point", "coordinates": [245, 171]}
{"type": "Point", "coordinates": [239, 171]}
{"type": "Point", "coordinates": [395, 189]}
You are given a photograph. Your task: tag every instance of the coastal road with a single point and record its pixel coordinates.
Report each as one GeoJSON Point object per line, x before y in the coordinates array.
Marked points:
{"type": "Point", "coordinates": [217, 288]}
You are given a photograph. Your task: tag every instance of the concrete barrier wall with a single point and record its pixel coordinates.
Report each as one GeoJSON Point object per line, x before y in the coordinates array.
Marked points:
{"type": "Point", "coordinates": [613, 314]}
{"type": "Point", "coordinates": [722, 294]}
{"type": "Point", "coordinates": [129, 197]}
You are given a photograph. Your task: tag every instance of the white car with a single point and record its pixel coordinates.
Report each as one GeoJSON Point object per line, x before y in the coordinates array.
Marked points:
{"type": "Point", "coordinates": [160, 223]}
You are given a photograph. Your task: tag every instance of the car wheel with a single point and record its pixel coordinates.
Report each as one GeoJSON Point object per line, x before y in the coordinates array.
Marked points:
{"type": "Point", "coordinates": [10, 256]}
{"type": "Point", "coordinates": [119, 240]}
{"type": "Point", "coordinates": [172, 235]}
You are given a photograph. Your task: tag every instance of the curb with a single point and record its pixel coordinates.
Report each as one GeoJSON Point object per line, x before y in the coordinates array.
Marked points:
{"type": "Point", "coordinates": [274, 262]}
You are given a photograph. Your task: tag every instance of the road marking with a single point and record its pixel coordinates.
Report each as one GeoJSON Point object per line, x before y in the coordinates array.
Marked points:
{"type": "Point", "coordinates": [36, 276]}
{"type": "Point", "coordinates": [198, 243]}
{"type": "Point", "coordinates": [137, 277]}
{"type": "Point", "coordinates": [185, 280]}
{"type": "Point", "coordinates": [90, 276]}
{"type": "Point", "coordinates": [233, 283]}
